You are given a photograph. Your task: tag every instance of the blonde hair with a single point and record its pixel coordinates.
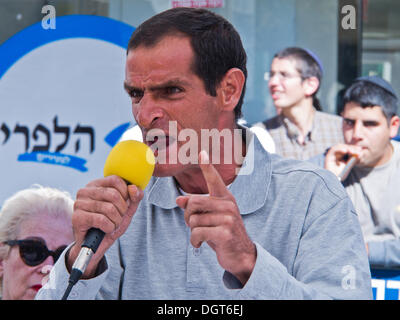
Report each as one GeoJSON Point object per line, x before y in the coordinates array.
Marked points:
{"type": "Point", "coordinates": [27, 203]}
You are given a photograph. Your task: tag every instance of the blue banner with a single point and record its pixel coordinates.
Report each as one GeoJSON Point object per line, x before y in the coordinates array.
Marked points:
{"type": "Point", "coordinates": [59, 159]}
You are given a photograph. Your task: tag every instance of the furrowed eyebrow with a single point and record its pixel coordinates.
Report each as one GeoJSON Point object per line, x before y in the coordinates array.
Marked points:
{"type": "Point", "coordinates": [129, 88]}
{"type": "Point", "coordinates": [169, 83]}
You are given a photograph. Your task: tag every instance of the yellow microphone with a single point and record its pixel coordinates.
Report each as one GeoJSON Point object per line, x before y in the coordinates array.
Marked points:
{"type": "Point", "coordinates": [131, 160]}
{"type": "Point", "coordinates": [134, 162]}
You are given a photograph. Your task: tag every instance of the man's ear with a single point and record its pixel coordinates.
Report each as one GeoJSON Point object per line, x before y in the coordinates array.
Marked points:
{"type": "Point", "coordinates": [230, 88]}
{"type": "Point", "coordinates": [310, 85]}
{"type": "Point", "coordinates": [394, 126]}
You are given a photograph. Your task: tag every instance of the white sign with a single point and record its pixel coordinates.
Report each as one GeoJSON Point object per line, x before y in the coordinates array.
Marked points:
{"type": "Point", "coordinates": [62, 103]}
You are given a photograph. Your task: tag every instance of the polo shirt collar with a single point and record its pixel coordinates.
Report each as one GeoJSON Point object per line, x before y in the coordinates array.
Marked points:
{"type": "Point", "coordinates": [250, 187]}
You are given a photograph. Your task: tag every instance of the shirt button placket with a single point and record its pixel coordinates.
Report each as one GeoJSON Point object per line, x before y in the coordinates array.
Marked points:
{"type": "Point", "coordinates": [194, 282]}
{"type": "Point", "coordinates": [196, 251]}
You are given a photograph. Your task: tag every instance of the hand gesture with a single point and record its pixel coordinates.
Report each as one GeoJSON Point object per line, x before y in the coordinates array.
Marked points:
{"type": "Point", "coordinates": [215, 219]}
{"type": "Point", "coordinates": [338, 156]}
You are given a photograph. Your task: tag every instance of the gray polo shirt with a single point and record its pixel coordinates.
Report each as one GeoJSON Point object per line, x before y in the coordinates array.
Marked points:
{"type": "Point", "coordinates": [308, 240]}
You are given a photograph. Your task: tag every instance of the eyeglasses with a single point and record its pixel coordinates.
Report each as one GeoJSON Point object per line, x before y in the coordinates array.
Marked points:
{"type": "Point", "coordinates": [281, 75]}
{"type": "Point", "coordinates": [34, 252]}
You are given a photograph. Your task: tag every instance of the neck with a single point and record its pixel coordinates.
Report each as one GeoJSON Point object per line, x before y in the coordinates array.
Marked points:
{"type": "Point", "coordinates": [227, 162]}
{"type": "Point", "coordinates": [301, 115]}
{"type": "Point", "coordinates": [192, 180]}
{"type": "Point", "coordinates": [387, 155]}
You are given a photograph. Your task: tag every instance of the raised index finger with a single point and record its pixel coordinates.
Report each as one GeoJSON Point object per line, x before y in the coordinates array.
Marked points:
{"type": "Point", "coordinates": [215, 184]}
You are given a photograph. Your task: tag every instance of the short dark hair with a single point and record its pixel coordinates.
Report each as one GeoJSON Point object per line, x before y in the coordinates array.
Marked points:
{"type": "Point", "coordinates": [367, 94]}
{"type": "Point", "coordinates": [216, 44]}
{"type": "Point", "coordinates": [308, 65]}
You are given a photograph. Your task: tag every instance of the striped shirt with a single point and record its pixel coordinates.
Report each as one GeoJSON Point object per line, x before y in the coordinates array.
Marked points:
{"type": "Point", "coordinates": [326, 131]}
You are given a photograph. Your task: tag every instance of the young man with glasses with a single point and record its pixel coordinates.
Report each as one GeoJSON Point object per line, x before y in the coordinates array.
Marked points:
{"type": "Point", "coordinates": [300, 130]}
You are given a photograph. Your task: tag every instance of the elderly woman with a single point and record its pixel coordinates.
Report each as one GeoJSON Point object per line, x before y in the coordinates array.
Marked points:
{"type": "Point", "coordinates": [35, 227]}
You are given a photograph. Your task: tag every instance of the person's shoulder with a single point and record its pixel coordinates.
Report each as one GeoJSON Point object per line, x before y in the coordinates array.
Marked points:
{"type": "Point", "coordinates": [318, 159]}
{"type": "Point", "coordinates": [395, 144]}
{"type": "Point", "coordinates": [305, 174]}
{"type": "Point", "coordinates": [263, 136]}
{"type": "Point", "coordinates": [281, 165]}
{"type": "Point", "coordinates": [396, 153]}
{"type": "Point", "coordinates": [329, 116]}
{"type": "Point", "coordinates": [273, 123]}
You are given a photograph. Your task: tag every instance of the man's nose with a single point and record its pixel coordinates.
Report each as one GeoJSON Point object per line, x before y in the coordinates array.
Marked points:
{"type": "Point", "coordinates": [358, 130]}
{"type": "Point", "coordinates": [273, 80]}
{"type": "Point", "coordinates": [147, 111]}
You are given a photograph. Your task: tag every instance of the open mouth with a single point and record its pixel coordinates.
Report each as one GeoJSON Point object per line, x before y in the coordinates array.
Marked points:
{"type": "Point", "coordinates": [159, 143]}
{"type": "Point", "coordinates": [276, 95]}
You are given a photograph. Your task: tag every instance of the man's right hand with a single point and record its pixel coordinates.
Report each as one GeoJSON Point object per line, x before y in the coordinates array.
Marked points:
{"type": "Point", "coordinates": [107, 204]}
{"type": "Point", "coordinates": [338, 155]}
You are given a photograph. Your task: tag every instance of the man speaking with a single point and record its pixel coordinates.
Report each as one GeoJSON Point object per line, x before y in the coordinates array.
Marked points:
{"type": "Point", "coordinates": [210, 228]}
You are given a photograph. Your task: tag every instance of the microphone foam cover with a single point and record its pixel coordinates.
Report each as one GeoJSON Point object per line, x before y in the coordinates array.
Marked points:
{"type": "Point", "coordinates": [131, 160]}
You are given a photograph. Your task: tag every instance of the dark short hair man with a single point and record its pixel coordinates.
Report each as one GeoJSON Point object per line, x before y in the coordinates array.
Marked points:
{"type": "Point", "coordinates": [205, 229]}
{"type": "Point", "coordinates": [301, 130]}
{"type": "Point", "coordinates": [369, 124]}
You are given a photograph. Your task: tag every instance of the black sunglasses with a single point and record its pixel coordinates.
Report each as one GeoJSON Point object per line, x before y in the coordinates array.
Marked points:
{"type": "Point", "coordinates": [34, 252]}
